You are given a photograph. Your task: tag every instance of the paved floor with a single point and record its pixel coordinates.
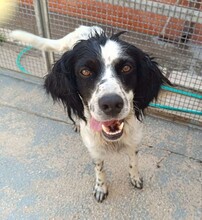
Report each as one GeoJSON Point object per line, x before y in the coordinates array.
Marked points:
{"type": "Point", "coordinates": [46, 172]}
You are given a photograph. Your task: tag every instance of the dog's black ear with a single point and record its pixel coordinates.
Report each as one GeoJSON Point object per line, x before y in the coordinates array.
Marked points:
{"type": "Point", "coordinates": [149, 81]}
{"type": "Point", "coordinates": [61, 84]}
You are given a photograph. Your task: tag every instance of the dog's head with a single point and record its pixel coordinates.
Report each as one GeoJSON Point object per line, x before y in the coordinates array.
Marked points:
{"type": "Point", "coordinates": [109, 78]}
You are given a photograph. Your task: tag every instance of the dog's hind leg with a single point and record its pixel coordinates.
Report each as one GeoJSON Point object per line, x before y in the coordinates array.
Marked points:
{"type": "Point", "coordinates": [100, 190]}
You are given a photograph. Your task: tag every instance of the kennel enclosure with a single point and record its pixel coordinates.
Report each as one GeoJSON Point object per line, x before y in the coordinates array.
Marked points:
{"type": "Point", "coordinates": [169, 30]}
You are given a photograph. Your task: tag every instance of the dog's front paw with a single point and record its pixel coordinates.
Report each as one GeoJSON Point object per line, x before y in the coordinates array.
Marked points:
{"type": "Point", "coordinates": [137, 182]}
{"type": "Point", "coordinates": [100, 192]}
{"type": "Point", "coordinates": [76, 127]}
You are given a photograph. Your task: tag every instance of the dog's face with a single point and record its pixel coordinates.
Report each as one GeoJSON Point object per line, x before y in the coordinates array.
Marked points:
{"type": "Point", "coordinates": [109, 78]}
{"type": "Point", "coordinates": [105, 76]}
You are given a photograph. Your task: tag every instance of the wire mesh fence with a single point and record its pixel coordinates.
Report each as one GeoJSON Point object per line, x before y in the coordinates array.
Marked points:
{"type": "Point", "coordinates": [169, 30]}
{"type": "Point", "coordinates": [23, 17]}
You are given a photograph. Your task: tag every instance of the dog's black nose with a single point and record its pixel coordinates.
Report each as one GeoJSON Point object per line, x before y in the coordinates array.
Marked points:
{"type": "Point", "coordinates": [111, 104]}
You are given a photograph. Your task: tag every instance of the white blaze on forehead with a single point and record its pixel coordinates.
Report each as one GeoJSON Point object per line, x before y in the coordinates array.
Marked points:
{"type": "Point", "coordinates": [109, 83]}
{"type": "Point", "coordinates": [110, 52]}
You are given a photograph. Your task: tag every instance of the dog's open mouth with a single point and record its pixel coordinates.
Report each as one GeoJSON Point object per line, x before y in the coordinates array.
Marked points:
{"type": "Point", "coordinates": [111, 130]}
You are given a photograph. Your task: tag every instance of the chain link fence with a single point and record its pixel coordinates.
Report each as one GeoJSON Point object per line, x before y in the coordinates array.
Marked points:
{"type": "Point", "coordinates": [169, 30]}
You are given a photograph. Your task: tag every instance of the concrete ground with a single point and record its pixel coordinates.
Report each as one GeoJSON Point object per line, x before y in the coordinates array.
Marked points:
{"type": "Point", "coordinates": [46, 172]}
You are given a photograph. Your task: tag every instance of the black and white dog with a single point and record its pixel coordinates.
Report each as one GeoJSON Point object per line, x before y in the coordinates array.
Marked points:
{"type": "Point", "coordinates": [107, 83]}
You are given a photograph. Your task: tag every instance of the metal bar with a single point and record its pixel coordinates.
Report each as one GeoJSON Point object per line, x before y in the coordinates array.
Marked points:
{"type": "Point", "coordinates": [42, 30]}
{"type": "Point", "coordinates": [172, 108]}
{"type": "Point", "coordinates": [182, 92]}
{"type": "Point", "coordinates": [175, 11]}
{"type": "Point", "coordinates": [46, 23]}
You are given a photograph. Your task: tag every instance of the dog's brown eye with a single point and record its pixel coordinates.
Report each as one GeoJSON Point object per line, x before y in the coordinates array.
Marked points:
{"type": "Point", "coordinates": [86, 73]}
{"type": "Point", "coordinates": [126, 69]}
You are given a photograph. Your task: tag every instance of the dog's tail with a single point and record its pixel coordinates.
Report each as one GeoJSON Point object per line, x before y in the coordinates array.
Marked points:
{"type": "Point", "coordinates": [59, 45]}
{"type": "Point", "coordinates": [38, 42]}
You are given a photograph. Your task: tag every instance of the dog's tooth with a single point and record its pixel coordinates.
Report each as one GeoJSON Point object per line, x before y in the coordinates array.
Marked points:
{"type": "Point", "coordinates": [121, 126]}
{"type": "Point", "coordinates": [117, 132]}
{"type": "Point", "coordinates": [109, 133]}
{"type": "Point", "coordinates": [105, 129]}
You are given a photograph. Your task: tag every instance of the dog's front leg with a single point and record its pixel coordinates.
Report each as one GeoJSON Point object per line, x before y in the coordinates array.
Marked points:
{"type": "Point", "coordinates": [100, 190]}
{"type": "Point", "coordinates": [135, 178]}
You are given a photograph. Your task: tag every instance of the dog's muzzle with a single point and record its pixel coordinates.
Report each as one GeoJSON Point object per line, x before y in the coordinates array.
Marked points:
{"type": "Point", "coordinates": [111, 105]}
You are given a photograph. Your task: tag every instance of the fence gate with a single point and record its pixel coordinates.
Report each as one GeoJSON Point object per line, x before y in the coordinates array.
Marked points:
{"type": "Point", "coordinates": [170, 30]}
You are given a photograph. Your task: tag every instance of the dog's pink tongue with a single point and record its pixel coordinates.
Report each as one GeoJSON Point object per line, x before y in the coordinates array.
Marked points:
{"type": "Point", "coordinates": [97, 125]}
